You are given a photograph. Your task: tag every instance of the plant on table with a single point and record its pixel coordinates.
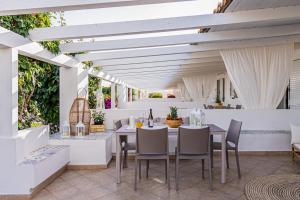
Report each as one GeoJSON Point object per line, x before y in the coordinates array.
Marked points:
{"type": "Point", "coordinates": [98, 117]}
{"type": "Point", "coordinates": [172, 119]}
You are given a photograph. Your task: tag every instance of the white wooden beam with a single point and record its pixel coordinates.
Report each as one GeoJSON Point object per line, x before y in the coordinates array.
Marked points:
{"type": "Point", "coordinates": [17, 7]}
{"type": "Point", "coordinates": [252, 17]}
{"type": "Point", "coordinates": [200, 62]}
{"type": "Point", "coordinates": [218, 36]}
{"type": "Point", "coordinates": [204, 48]}
{"type": "Point", "coordinates": [143, 53]}
{"type": "Point", "coordinates": [35, 50]}
{"type": "Point", "coordinates": [185, 56]}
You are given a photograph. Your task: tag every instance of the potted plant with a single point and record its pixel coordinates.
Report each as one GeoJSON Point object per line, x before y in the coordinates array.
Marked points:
{"type": "Point", "coordinates": [173, 120]}
{"type": "Point", "coordinates": [218, 100]}
{"type": "Point", "coordinates": [98, 117]}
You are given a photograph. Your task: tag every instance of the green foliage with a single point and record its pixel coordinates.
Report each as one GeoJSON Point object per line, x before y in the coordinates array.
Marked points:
{"type": "Point", "coordinates": [173, 112]}
{"type": "Point", "coordinates": [38, 81]}
{"type": "Point", "coordinates": [106, 92]}
{"type": "Point", "coordinates": [155, 95]}
{"type": "Point", "coordinates": [98, 117]}
{"type": "Point", "coordinates": [218, 100]}
{"type": "Point", "coordinates": [93, 87]}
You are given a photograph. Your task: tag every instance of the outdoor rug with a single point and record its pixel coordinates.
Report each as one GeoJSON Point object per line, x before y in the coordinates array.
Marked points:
{"type": "Point", "coordinates": [274, 187]}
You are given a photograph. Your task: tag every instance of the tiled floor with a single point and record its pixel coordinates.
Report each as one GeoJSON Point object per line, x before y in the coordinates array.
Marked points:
{"type": "Point", "coordinates": [101, 185]}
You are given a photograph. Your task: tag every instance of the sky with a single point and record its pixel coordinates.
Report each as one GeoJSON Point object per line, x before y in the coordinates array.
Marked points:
{"type": "Point", "coordinates": [129, 13]}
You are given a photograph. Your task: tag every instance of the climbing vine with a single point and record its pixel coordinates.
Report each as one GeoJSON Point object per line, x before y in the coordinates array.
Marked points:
{"type": "Point", "coordinates": [38, 81]}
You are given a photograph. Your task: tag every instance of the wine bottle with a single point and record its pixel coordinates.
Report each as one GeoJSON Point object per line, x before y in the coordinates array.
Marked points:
{"type": "Point", "coordinates": [150, 119]}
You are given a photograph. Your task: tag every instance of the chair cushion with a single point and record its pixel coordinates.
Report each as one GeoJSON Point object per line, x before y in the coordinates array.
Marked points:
{"type": "Point", "coordinates": [295, 133]}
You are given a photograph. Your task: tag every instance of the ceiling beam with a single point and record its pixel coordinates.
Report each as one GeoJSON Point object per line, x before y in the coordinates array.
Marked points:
{"type": "Point", "coordinates": [169, 50]}
{"type": "Point", "coordinates": [218, 36]}
{"type": "Point", "coordinates": [17, 7]}
{"type": "Point", "coordinates": [141, 66]}
{"type": "Point", "coordinates": [149, 59]}
{"type": "Point", "coordinates": [140, 54]}
{"type": "Point", "coordinates": [254, 17]}
{"type": "Point", "coordinates": [34, 50]}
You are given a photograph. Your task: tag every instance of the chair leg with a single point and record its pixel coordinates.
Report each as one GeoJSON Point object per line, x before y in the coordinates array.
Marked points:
{"type": "Point", "coordinates": [177, 173]}
{"type": "Point", "coordinates": [293, 153]}
{"type": "Point", "coordinates": [238, 163]}
{"type": "Point", "coordinates": [212, 150]}
{"type": "Point", "coordinates": [121, 160]}
{"type": "Point", "coordinates": [166, 169]}
{"type": "Point", "coordinates": [135, 174]}
{"type": "Point", "coordinates": [125, 159]}
{"type": "Point", "coordinates": [202, 168]}
{"type": "Point", "coordinates": [168, 173]}
{"type": "Point", "coordinates": [210, 174]}
{"type": "Point", "coordinates": [140, 169]}
{"type": "Point", "coordinates": [147, 169]}
{"type": "Point", "coordinates": [227, 159]}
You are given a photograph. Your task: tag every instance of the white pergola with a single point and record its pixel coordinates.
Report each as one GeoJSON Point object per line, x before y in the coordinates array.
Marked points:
{"type": "Point", "coordinates": [146, 61]}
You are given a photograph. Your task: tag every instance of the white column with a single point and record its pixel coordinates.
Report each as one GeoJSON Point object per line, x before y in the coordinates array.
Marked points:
{"type": "Point", "coordinates": [122, 96]}
{"type": "Point", "coordinates": [71, 81]}
{"type": "Point", "coordinates": [9, 92]}
{"type": "Point", "coordinates": [113, 95]}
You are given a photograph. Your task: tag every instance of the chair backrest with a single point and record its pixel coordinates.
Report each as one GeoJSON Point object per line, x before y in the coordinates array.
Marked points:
{"type": "Point", "coordinates": [193, 141]}
{"type": "Point", "coordinates": [238, 107]}
{"type": "Point", "coordinates": [152, 141]}
{"type": "Point", "coordinates": [234, 130]}
{"type": "Point", "coordinates": [118, 125]}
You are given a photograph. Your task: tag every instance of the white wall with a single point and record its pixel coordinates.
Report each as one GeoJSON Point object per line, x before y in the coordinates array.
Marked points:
{"type": "Point", "coordinates": [31, 139]}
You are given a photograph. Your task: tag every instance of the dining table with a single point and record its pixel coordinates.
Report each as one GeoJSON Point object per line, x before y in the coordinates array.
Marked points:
{"type": "Point", "coordinates": [126, 130]}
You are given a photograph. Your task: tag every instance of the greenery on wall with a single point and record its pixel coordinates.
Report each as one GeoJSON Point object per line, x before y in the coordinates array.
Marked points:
{"type": "Point", "coordinates": [93, 87]}
{"type": "Point", "coordinates": [38, 81]}
{"type": "Point", "coordinates": [155, 95]}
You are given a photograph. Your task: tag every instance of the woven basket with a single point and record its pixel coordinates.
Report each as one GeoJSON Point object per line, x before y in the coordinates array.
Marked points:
{"type": "Point", "coordinates": [80, 111]}
{"type": "Point", "coordinates": [173, 123]}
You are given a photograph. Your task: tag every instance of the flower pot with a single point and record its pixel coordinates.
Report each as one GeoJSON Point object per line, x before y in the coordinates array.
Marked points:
{"type": "Point", "coordinates": [98, 122]}
{"type": "Point", "coordinates": [174, 123]}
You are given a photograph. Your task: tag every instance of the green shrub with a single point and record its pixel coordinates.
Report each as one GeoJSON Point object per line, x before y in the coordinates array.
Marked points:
{"type": "Point", "coordinates": [155, 95]}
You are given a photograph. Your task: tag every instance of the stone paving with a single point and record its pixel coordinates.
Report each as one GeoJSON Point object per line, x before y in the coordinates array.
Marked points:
{"type": "Point", "coordinates": [101, 184]}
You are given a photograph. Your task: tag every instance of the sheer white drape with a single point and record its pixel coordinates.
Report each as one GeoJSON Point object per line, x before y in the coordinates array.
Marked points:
{"type": "Point", "coordinates": [260, 75]}
{"type": "Point", "coordinates": [200, 87]}
{"type": "Point", "coordinates": [183, 91]}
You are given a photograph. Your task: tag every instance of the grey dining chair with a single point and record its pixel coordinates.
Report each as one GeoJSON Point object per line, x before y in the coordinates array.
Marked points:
{"type": "Point", "coordinates": [125, 145]}
{"type": "Point", "coordinates": [152, 144]}
{"type": "Point", "coordinates": [193, 144]}
{"type": "Point", "coordinates": [232, 142]}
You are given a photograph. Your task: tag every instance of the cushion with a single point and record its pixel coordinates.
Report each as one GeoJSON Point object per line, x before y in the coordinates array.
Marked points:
{"type": "Point", "coordinates": [295, 133]}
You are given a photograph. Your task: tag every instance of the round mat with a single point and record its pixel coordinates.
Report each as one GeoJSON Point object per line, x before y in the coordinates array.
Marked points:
{"type": "Point", "coordinates": [274, 187]}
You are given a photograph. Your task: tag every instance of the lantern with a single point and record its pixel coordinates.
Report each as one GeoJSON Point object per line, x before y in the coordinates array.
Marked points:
{"type": "Point", "coordinates": [66, 129]}
{"type": "Point", "coordinates": [80, 129]}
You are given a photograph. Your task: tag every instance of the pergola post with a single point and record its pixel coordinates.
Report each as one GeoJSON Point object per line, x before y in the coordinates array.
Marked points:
{"type": "Point", "coordinates": [9, 92]}
{"type": "Point", "coordinates": [113, 95]}
{"type": "Point", "coordinates": [122, 95]}
{"type": "Point", "coordinates": [72, 81]}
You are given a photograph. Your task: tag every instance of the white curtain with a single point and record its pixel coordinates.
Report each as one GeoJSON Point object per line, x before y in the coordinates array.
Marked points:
{"type": "Point", "coordinates": [183, 91]}
{"type": "Point", "coordinates": [260, 75]}
{"type": "Point", "coordinates": [200, 87]}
